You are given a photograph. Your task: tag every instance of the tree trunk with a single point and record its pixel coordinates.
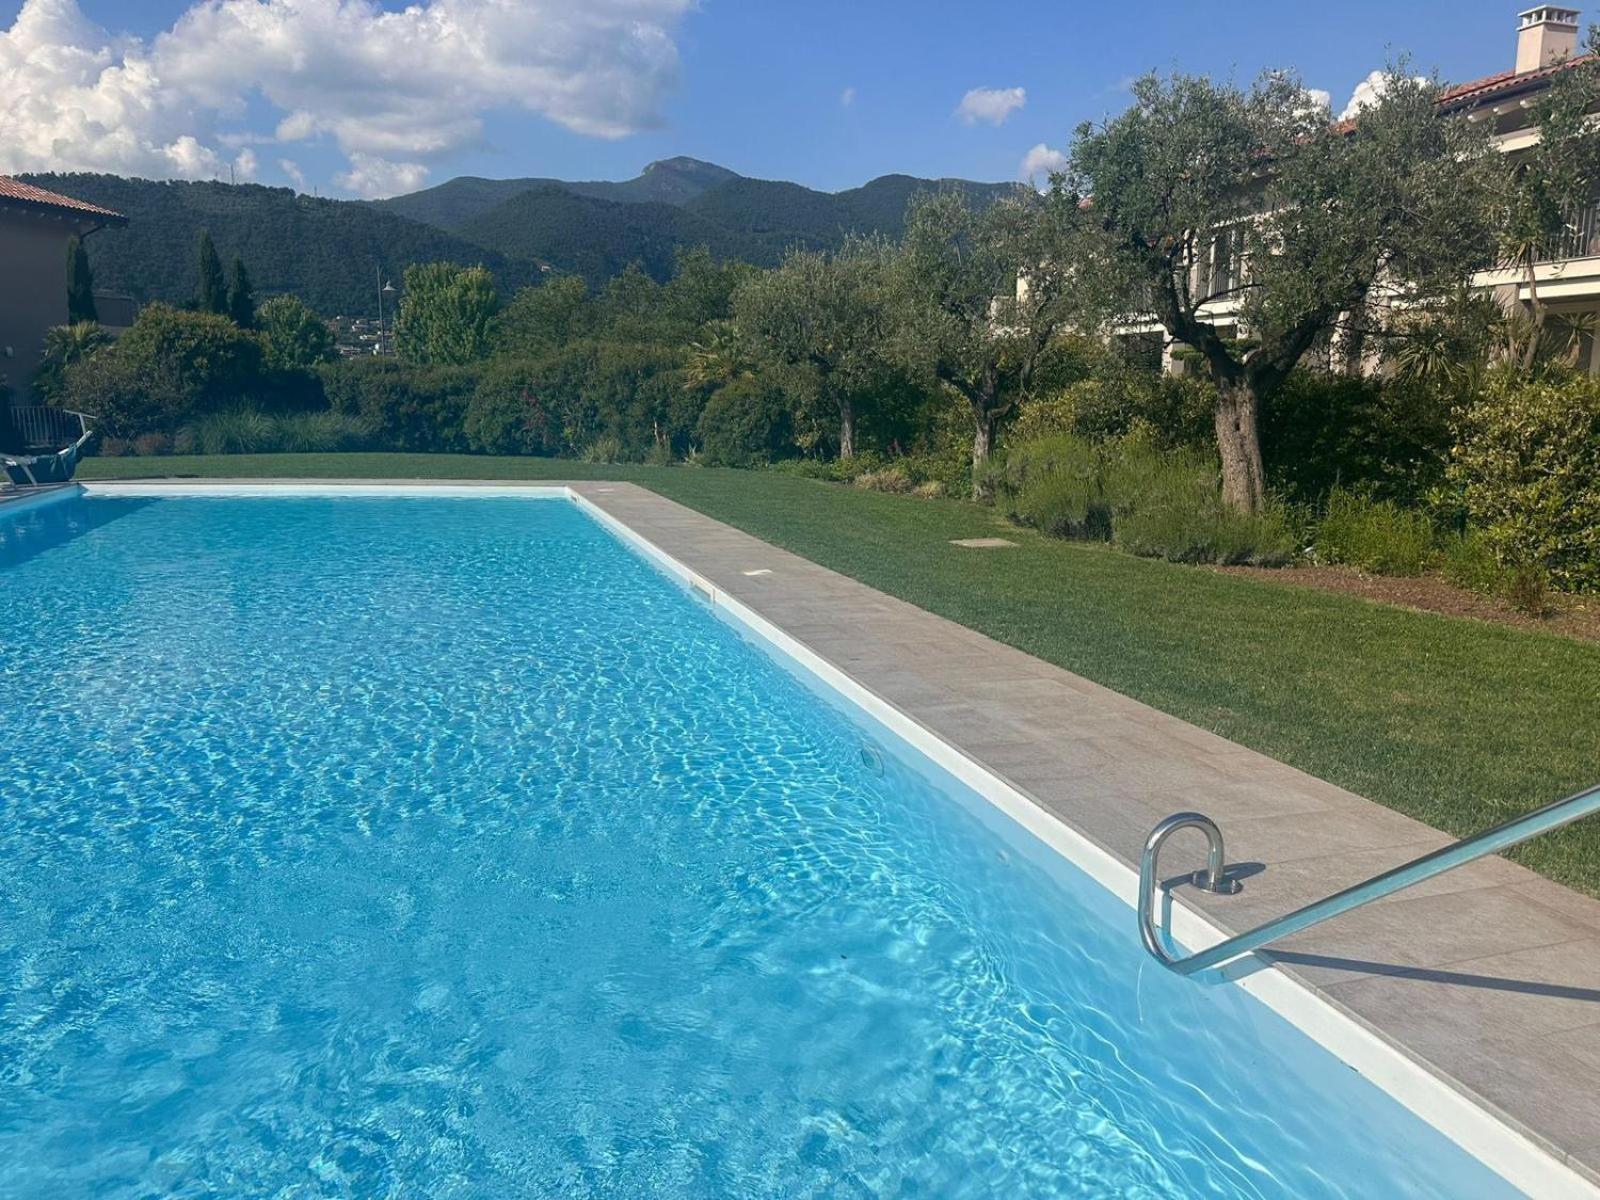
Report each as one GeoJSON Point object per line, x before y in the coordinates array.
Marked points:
{"type": "Point", "coordinates": [982, 446]}
{"type": "Point", "coordinates": [847, 429]}
{"type": "Point", "coordinates": [1239, 446]}
{"type": "Point", "coordinates": [1530, 352]}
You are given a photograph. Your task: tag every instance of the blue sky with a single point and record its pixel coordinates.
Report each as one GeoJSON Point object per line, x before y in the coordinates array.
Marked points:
{"type": "Point", "coordinates": [828, 93]}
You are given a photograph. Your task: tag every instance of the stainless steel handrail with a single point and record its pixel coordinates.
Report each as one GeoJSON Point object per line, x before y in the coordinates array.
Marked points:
{"type": "Point", "coordinates": [1215, 878]}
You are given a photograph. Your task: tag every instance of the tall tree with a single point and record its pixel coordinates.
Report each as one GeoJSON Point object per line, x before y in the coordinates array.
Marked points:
{"type": "Point", "coordinates": [1216, 200]}
{"type": "Point", "coordinates": [212, 294]}
{"type": "Point", "coordinates": [241, 296]}
{"type": "Point", "coordinates": [824, 314]}
{"type": "Point", "coordinates": [80, 284]}
{"type": "Point", "coordinates": [292, 336]}
{"type": "Point", "coordinates": [446, 314]}
{"type": "Point", "coordinates": [978, 297]}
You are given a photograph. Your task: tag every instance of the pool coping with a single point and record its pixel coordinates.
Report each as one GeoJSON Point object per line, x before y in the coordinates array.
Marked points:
{"type": "Point", "coordinates": [1001, 742]}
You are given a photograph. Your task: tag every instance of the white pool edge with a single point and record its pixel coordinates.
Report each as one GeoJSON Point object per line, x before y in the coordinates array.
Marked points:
{"type": "Point", "coordinates": [1521, 1161]}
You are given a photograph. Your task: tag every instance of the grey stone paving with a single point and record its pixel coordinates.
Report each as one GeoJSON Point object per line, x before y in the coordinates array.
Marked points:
{"type": "Point", "coordinates": [1489, 976]}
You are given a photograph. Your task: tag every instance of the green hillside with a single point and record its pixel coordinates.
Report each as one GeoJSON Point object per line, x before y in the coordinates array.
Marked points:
{"type": "Point", "coordinates": [332, 252]}
{"type": "Point", "coordinates": [754, 220]}
{"type": "Point", "coordinates": [452, 205]}
{"type": "Point", "coordinates": [329, 252]}
{"type": "Point", "coordinates": [600, 238]}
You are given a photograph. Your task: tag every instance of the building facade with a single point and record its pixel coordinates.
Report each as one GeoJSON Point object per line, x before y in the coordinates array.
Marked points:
{"type": "Point", "coordinates": [35, 226]}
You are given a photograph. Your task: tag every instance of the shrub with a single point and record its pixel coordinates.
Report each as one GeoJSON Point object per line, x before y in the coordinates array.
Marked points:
{"type": "Point", "coordinates": [1117, 401]}
{"type": "Point", "coordinates": [893, 479]}
{"type": "Point", "coordinates": [1374, 535]}
{"type": "Point", "coordinates": [318, 433]}
{"type": "Point", "coordinates": [931, 489]}
{"type": "Point", "coordinates": [149, 444]}
{"type": "Point", "coordinates": [745, 423]}
{"type": "Point", "coordinates": [244, 431]}
{"type": "Point", "coordinates": [508, 414]}
{"type": "Point", "coordinates": [1387, 437]}
{"type": "Point", "coordinates": [1164, 504]}
{"type": "Point", "coordinates": [1527, 459]}
{"type": "Point", "coordinates": [1467, 561]}
{"type": "Point", "coordinates": [402, 407]}
{"type": "Point", "coordinates": [1055, 484]}
{"type": "Point", "coordinates": [169, 369]}
{"type": "Point", "coordinates": [607, 448]}
{"type": "Point", "coordinates": [1180, 532]}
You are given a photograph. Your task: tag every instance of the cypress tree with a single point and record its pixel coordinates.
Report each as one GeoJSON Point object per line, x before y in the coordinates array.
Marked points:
{"type": "Point", "coordinates": [241, 297]}
{"type": "Point", "coordinates": [212, 296]}
{"type": "Point", "coordinates": [80, 284]}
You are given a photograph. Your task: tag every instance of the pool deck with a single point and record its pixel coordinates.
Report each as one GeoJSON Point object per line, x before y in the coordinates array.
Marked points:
{"type": "Point", "coordinates": [1488, 976]}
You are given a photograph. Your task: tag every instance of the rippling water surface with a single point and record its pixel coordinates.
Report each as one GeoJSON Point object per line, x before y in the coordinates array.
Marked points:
{"type": "Point", "coordinates": [440, 848]}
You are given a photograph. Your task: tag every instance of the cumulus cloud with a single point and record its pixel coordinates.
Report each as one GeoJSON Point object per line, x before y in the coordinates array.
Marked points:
{"type": "Point", "coordinates": [1369, 91]}
{"type": "Point", "coordinates": [990, 105]}
{"type": "Point", "coordinates": [375, 177]}
{"type": "Point", "coordinates": [292, 171]}
{"type": "Point", "coordinates": [1039, 163]}
{"type": "Point", "coordinates": [392, 89]}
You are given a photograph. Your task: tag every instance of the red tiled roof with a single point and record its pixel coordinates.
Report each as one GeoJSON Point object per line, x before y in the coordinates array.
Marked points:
{"type": "Point", "coordinates": [1466, 95]}
{"type": "Point", "coordinates": [26, 193]}
{"type": "Point", "coordinates": [1505, 81]}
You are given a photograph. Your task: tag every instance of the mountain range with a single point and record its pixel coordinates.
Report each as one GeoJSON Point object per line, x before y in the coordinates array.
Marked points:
{"type": "Point", "coordinates": [334, 253]}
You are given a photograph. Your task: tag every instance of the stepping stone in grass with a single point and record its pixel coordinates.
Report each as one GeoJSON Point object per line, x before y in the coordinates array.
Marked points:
{"type": "Point", "coordinates": [983, 543]}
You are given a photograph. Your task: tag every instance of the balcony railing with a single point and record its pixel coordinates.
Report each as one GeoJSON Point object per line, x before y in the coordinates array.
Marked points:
{"type": "Point", "coordinates": [1579, 239]}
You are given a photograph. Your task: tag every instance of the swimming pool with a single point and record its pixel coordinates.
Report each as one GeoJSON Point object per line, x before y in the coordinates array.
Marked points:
{"type": "Point", "coordinates": [443, 847]}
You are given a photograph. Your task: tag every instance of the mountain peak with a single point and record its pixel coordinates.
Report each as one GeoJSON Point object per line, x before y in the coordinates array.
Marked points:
{"type": "Point", "coordinates": [682, 164]}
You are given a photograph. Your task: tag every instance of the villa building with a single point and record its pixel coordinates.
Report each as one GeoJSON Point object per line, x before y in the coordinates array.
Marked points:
{"type": "Point", "coordinates": [35, 226]}
{"type": "Point", "coordinates": [1567, 274]}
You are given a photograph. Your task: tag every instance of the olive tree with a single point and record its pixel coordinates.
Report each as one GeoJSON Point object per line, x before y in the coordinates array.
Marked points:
{"type": "Point", "coordinates": [1246, 209]}
{"type": "Point", "coordinates": [823, 314]}
{"type": "Point", "coordinates": [978, 295]}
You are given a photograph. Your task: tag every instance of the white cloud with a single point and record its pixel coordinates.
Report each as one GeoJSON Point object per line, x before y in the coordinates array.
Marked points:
{"type": "Point", "coordinates": [375, 178]}
{"type": "Point", "coordinates": [1369, 91]}
{"type": "Point", "coordinates": [1038, 164]}
{"type": "Point", "coordinates": [245, 165]}
{"type": "Point", "coordinates": [847, 97]}
{"type": "Point", "coordinates": [1318, 98]}
{"type": "Point", "coordinates": [990, 105]}
{"type": "Point", "coordinates": [395, 88]}
{"type": "Point", "coordinates": [295, 175]}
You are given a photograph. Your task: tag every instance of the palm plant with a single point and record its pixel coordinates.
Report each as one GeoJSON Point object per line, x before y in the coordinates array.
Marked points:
{"type": "Point", "coordinates": [63, 346]}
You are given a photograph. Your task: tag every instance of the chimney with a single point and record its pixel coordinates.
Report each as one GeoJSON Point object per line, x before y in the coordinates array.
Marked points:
{"type": "Point", "coordinates": [1546, 35]}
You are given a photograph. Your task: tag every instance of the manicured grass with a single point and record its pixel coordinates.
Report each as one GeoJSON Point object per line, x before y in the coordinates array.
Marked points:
{"type": "Point", "coordinates": [1458, 723]}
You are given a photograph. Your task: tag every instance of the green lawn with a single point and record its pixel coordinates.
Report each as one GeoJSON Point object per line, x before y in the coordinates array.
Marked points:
{"type": "Point", "coordinates": [1456, 722]}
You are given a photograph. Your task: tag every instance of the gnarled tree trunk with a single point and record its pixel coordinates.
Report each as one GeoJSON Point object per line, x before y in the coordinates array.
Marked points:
{"type": "Point", "coordinates": [984, 421]}
{"type": "Point", "coordinates": [1244, 486]}
{"type": "Point", "coordinates": [847, 427]}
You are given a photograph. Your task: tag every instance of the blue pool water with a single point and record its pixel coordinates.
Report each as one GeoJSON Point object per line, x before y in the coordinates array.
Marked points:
{"type": "Point", "coordinates": [442, 848]}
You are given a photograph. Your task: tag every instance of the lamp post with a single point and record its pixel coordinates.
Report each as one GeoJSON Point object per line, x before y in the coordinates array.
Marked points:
{"type": "Point", "coordinates": [388, 289]}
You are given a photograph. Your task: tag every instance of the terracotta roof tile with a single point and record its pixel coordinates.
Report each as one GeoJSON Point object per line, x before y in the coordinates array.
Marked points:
{"type": "Point", "coordinates": [26, 193]}
{"type": "Point", "coordinates": [1489, 85]}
